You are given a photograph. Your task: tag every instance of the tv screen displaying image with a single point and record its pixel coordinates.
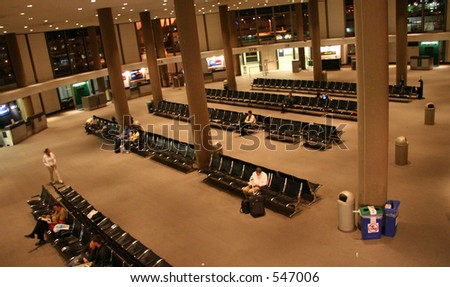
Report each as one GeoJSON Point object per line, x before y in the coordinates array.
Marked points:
{"type": "Point", "coordinates": [4, 110]}
{"type": "Point", "coordinates": [136, 75]}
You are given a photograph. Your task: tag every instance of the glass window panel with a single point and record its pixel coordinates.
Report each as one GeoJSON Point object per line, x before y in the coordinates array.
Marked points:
{"type": "Point", "coordinates": [6, 72]}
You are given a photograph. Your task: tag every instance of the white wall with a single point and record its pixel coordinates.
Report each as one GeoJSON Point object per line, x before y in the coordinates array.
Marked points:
{"type": "Point", "coordinates": [214, 31]}
{"type": "Point", "coordinates": [43, 70]}
{"type": "Point", "coordinates": [128, 40]}
{"type": "Point", "coordinates": [323, 19]}
{"type": "Point", "coordinates": [336, 18]}
{"type": "Point", "coordinates": [392, 18]}
{"type": "Point", "coordinates": [201, 33]}
{"type": "Point", "coordinates": [26, 60]}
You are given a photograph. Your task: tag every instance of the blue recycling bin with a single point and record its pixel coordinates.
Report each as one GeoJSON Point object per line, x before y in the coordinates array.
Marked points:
{"type": "Point", "coordinates": [390, 217]}
{"type": "Point", "coordinates": [371, 222]}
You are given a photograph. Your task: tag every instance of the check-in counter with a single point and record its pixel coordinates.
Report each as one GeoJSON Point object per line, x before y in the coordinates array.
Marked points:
{"type": "Point", "coordinates": [39, 122]}
{"type": "Point", "coordinates": [421, 62]}
{"type": "Point", "coordinates": [89, 103]}
{"type": "Point", "coordinates": [145, 90]}
{"type": "Point", "coordinates": [14, 133]}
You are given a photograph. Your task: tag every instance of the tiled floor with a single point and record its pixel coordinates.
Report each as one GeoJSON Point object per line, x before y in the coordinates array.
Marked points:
{"type": "Point", "coordinates": [190, 223]}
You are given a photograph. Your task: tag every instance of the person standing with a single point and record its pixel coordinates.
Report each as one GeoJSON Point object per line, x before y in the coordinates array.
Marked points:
{"type": "Point", "coordinates": [49, 161]}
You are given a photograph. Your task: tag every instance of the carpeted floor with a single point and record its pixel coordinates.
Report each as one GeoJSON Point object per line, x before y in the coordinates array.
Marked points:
{"type": "Point", "coordinates": [189, 223]}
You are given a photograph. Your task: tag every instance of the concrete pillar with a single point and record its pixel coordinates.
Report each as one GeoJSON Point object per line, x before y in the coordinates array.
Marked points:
{"type": "Point", "coordinates": [314, 29]}
{"type": "Point", "coordinates": [300, 34]}
{"type": "Point", "coordinates": [373, 100]}
{"type": "Point", "coordinates": [19, 72]}
{"type": "Point", "coordinates": [114, 66]}
{"type": "Point", "coordinates": [402, 40]}
{"type": "Point", "coordinates": [160, 51]}
{"type": "Point", "coordinates": [195, 86]}
{"type": "Point", "coordinates": [228, 52]}
{"type": "Point", "coordinates": [234, 42]}
{"type": "Point", "coordinates": [95, 51]}
{"type": "Point", "coordinates": [150, 51]}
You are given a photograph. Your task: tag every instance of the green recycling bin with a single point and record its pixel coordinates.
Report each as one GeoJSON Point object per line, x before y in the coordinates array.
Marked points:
{"type": "Point", "coordinates": [371, 221]}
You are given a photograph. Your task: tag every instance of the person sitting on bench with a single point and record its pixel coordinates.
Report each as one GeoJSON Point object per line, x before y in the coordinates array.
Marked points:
{"type": "Point", "coordinates": [248, 122]}
{"type": "Point", "coordinates": [257, 180]}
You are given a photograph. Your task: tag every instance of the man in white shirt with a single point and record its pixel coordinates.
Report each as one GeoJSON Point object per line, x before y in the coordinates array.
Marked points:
{"type": "Point", "coordinates": [49, 161]}
{"type": "Point", "coordinates": [249, 121]}
{"type": "Point", "coordinates": [257, 180]}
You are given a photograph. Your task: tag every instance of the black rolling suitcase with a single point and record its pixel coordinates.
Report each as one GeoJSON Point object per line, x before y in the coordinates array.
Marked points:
{"type": "Point", "coordinates": [257, 206]}
{"type": "Point", "coordinates": [117, 143]}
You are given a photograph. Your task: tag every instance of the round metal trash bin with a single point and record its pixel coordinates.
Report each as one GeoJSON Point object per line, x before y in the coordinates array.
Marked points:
{"type": "Point", "coordinates": [401, 151]}
{"type": "Point", "coordinates": [324, 76]}
{"type": "Point", "coordinates": [429, 114]}
{"type": "Point", "coordinates": [346, 205]}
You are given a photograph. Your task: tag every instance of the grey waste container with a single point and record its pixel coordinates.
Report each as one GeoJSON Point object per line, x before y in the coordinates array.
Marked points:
{"type": "Point", "coordinates": [429, 114]}
{"type": "Point", "coordinates": [295, 66]}
{"type": "Point", "coordinates": [346, 205]}
{"type": "Point", "coordinates": [225, 85]}
{"type": "Point", "coordinates": [324, 76]}
{"type": "Point", "coordinates": [401, 151]}
{"type": "Point", "coordinates": [353, 63]}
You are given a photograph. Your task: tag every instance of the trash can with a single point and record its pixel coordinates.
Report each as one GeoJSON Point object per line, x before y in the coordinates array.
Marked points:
{"type": "Point", "coordinates": [390, 217]}
{"type": "Point", "coordinates": [371, 221]}
{"type": "Point", "coordinates": [353, 63]}
{"type": "Point", "coordinates": [295, 66]}
{"type": "Point", "coordinates": [429, 114]}
{"type": "Point", "coordinates": [346, 205]}
{"type": "Point", "coordinates": [401, 151]}
{"type": "Point", "coordinates": [324, 76]}
{"type": "Point", "coordinates": [176, 82]}
{"type": "Point", "coordinates": [225, 85]}
{"type": "Point", "coordinates": [150, 106]}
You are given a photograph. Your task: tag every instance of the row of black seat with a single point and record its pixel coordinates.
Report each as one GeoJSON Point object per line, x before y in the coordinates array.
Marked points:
{"type": "Point", "coordinates": [339, 108]}
{"type": "Point", "coordinates": [396, 92]}
{"type": "Point", "coordinates": [284, 193]}
{"type": "Point", "coordinates": [128, 250]}
{"type": "Point", "coordinates": [174, 153]}
{"type": "Point", "coordinates": [313, 134]}
{"type": "Point", "coordinates": [84, 222]}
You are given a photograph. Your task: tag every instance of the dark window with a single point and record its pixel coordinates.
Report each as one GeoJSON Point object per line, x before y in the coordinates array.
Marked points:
{"type": "Point", "coordinates": [6, 72]}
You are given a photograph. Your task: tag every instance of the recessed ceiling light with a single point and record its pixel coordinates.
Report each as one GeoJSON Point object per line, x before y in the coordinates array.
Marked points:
{"type": "Point", "coordinates": [81, 26]}
{"type": "Point", "coordinates": [29, 5]}
{"type": "Point", "coordinates": [93, 1]}
{"type": "Point", "coordinates": [145, 10]}
{"type": "Point", "coordinates": [77, 24]}
{"type": "Point", "coordinates": [96, 15]}
{"type": "Point", "coordinates": [131, 10]}
{"type": "Point", "coordinates": [45, 21]}
{"type": "Point", "coordinates": [79, 9]}
{"type": "Point", "coordinates": [21, 14]}
{"type": "Point", "coordinates": [25, 27]}
{"type": "Point", "coordinates": [50, 25]}
{"type": "Point", "coordinates": [1, 27]}
{"type": "Point", "coordinates": [5, 32]}
{"type": "Point", "coordinates": [123, 8]}
{"type": "Point", "coordinates": [67, 21]}
{"type": "Point", "coordinates": [31, 30]}
{"type": "Point", "coordinates": [57, 28]}
{"type": "Point", "coordinates": [31, 18]}
{"type": "Point", "coordinates": [125, 4]}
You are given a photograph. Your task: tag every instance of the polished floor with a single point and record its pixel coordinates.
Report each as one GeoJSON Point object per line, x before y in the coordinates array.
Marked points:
{"type": "Point", "coordinates": [189, 223]}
